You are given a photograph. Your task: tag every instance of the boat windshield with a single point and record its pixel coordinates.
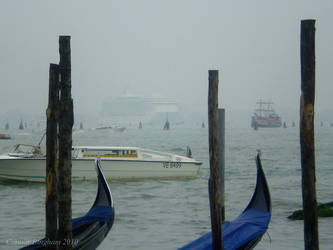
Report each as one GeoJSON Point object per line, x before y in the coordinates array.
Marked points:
{"type": "Point", "coordinates": [96, 153]}
{"type": "Point", "coordinates": [25, 149]}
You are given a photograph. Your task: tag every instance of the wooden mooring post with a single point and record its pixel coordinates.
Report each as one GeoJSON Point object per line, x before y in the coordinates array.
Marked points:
{"type": "Point", "coordinates": [307, 144]}
{"type": "Point", "coordinates": [66, 120]}
{"type": "Point", "coordinates": [214, 179]}
{"type": "Point", "coordinates": [51, 204]}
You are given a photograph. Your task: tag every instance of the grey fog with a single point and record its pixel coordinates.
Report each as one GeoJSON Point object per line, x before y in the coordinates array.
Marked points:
{"type": "Point", "coordinates": [155, 48]}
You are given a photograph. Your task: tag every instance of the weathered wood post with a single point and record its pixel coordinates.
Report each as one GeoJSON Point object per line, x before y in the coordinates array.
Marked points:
{"type": "Point", "coordinates": [51, 205]}
{"type": "Point", "coordinates": [307, 134]}
{"type": "Point", "coordinates": [66, 120]}
{"type": "Point", "coordinates": [215, 208]}
{"type": "Point", "coordinates": [221, 130]}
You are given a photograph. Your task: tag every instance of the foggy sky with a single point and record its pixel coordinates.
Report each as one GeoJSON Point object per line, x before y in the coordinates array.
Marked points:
{"type": "Point", "coordinates": [165, 48]}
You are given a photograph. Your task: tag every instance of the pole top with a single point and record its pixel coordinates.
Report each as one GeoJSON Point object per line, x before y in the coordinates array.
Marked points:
{"type": "Point", "coordinates": [308, 21]}
{"type": "Point", "coordinates": [64, 38]}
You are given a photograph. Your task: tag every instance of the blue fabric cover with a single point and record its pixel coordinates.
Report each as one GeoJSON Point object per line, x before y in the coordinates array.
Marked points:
{"type": "Point", "coordinates": [96, 213]}
{"type": "Point", "coordinates": [249, 225]}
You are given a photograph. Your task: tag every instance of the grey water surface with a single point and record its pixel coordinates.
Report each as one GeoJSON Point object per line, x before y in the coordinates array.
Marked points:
{"type": "Point", "coordinates": [166, 214]}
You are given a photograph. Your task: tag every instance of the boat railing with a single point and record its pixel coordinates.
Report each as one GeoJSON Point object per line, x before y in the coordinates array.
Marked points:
{"type": "Point", "coordinates": [78, 152]}
{"type": "Point", "coordinates": [156, 154]}
{"type": "Point", "coordinates": [26, 150]}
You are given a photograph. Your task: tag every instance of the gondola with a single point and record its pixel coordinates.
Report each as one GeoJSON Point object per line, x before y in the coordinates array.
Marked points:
{"type": "Point", "coordinates": [91, 229]}
{"type": "Point", "coordinates": [248, 228]}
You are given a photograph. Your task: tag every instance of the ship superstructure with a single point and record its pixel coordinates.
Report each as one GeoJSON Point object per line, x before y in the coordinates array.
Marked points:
{"type": "Point", "coordinates": [265, 116]}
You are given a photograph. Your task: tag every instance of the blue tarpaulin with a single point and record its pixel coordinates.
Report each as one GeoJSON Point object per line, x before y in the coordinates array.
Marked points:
{"type": "Point", "coordinates": [249, 225]}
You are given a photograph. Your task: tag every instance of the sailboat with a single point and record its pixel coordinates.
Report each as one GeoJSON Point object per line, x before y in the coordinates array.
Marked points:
{"type": "Point", "coordinates": [140, 125]}
{"type": "Point", "coordinates": [7, 126]}
{"type": "Point", "coordinates": [166, 124]}
{"type": "Point", "coordinates": [21, 127]}
{"type": "Point", "coordinates": [248, 228]}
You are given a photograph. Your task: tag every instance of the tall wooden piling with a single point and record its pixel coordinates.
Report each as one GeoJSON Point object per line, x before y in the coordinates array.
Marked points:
{"type": "Point", "coordinates": [214, 179]}
{"type": "Point", "coordinates": [307, 134]}
{"type": "Point", "coordinates": [51, 204]}
{"type": "Point", "coordinates": [66, 120]}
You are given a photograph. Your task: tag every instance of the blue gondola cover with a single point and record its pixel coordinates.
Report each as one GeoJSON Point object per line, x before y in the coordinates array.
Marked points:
{"type": "Point", "coordinates": [250, 224]}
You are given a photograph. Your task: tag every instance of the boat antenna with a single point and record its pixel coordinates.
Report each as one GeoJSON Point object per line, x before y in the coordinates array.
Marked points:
{"type": "Point", "coordinates": [40, 141]}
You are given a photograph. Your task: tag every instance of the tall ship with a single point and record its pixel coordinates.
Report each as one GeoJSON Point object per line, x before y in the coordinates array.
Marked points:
{"type": "Point", "coordinates": [265, 116]}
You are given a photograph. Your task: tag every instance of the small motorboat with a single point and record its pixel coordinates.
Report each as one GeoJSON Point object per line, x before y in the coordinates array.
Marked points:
{"type": "Point", "coordinates": [115, 128]}
{"type": "Point", "coordinates": [27, 163]}
{"type": "Point", "coordinates": [5, 136]}
{"type": "Point", "coordinates": [91, 229]}
{"type": "Point", "coordinates": [248, 228]}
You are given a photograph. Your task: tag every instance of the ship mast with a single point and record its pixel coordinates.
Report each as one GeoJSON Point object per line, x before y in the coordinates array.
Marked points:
{"type": "Point", "coordinates": [264, 107]}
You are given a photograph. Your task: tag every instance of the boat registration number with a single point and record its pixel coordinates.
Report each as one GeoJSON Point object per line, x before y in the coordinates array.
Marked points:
{"type": "Point", "coordinates": [169, 164]}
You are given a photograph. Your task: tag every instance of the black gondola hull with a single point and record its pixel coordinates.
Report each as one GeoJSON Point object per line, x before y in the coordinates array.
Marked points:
{"type": "Point", "coordinates": [89, 230]}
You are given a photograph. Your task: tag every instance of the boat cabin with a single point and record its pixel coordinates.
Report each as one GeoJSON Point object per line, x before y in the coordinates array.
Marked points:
{"type": "Point", "coordinates": [96, 152]}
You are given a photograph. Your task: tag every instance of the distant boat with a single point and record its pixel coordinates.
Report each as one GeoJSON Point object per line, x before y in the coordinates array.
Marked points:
{"type": "Point", "coordinates": [140, 125]}
{"type": "Point", "coordinates": [203, 125]}
{"type": "Point", "coordinates": [21, 127]}
{"type": "Point", "coordinates": [166, 125]}
{"type": "Point", "coordinates": [247, 230]}
{"type": "Point", "coordinates": [91, 229]}
{"type": "Point", "coordinates": [81, 126]}
{"type": "Point", "coordinates": [7, 126]}
{"type": "Point", "coordinates": [103, 128]}
{"type": "Point", "coordinates": [113, 128]}
{"type": "Point", "coordinates": [265, 116]}
{"type": "Point", "coordinates": [5, 136]}
{"type": "Point", "coordinates": [118, 128]}
{"type": "Point", "coordinates": [255, 126]}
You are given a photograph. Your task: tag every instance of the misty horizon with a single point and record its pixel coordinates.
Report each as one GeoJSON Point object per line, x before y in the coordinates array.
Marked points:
{"type": "Point", "coordinates": [160, 48]}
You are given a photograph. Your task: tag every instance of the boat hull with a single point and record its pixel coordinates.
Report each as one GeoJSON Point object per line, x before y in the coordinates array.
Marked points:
{"type": "Point", "coordinates": [265, 123]}
{"type": "Point", "coordinates": [33, 169]}
{"type": "Point", "coordinates": [89, 230]}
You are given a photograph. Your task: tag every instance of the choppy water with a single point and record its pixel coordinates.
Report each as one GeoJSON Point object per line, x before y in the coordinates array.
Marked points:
{"type": "Point", "coordinates": [166, 214]}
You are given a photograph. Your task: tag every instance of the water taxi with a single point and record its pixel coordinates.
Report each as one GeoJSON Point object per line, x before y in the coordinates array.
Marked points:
{"type": "Point", "coordinates": [27, 162]}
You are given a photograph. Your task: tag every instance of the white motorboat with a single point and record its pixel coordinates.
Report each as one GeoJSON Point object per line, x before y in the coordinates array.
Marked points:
{"type": "Point", "coordinates": [27, 162]}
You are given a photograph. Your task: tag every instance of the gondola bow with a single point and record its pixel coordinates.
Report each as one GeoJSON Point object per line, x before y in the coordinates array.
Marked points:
{"type": "Point", "coordinates": [248, 228]}
{"type": "Point", "coordinates": [91, 229]}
